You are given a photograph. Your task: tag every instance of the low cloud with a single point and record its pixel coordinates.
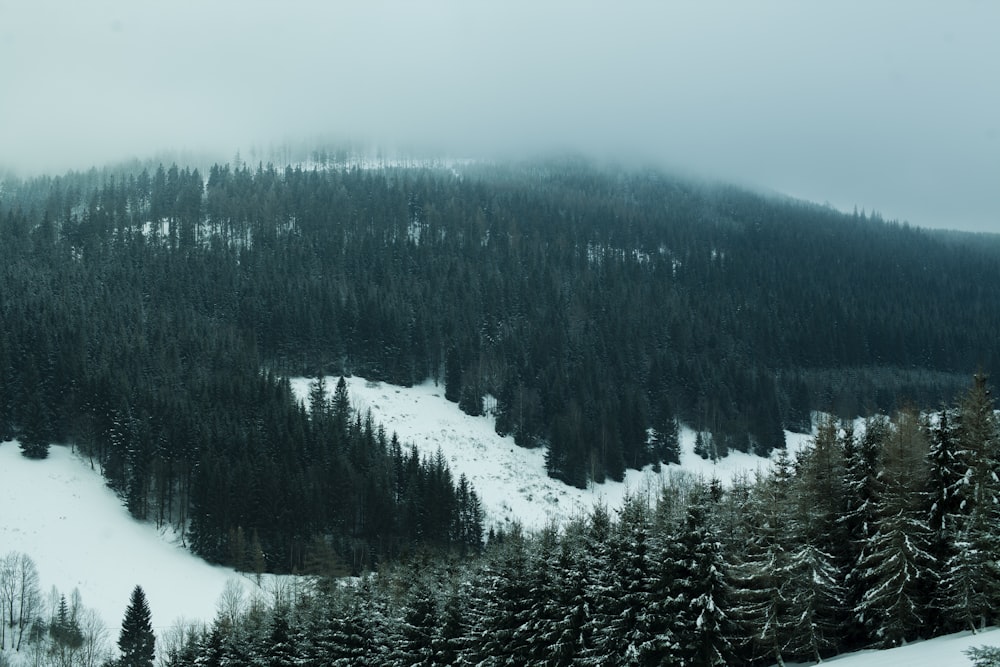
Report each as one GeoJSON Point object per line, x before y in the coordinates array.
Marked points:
{"type": "Point", "coordinates": [890, 107]}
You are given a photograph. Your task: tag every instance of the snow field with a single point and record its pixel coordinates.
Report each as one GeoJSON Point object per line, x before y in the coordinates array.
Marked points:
{"type": "Point", "coordinates": [511, 480]}
{"type": "Point", "coordinates": [946, 651]}
{"type": "Point", "coordinates": [59, 512]}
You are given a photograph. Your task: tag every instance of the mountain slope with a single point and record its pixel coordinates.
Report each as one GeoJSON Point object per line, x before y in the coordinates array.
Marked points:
{"type": "Point", "coordinates": [59, 512]}
{"type": "Point", "coordinates": [511, 480]}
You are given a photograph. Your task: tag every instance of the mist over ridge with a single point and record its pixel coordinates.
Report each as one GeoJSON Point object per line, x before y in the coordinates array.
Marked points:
{"type": "Point", "coordinates": [883, 107]}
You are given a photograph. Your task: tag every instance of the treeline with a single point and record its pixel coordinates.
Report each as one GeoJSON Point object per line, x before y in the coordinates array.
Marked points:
{"type": "Point", "coordinates": [186, 428]}
{"type": "Point", "coordinates": [868, 539]}
{"type": "Point", "coordinates": [596, 307]}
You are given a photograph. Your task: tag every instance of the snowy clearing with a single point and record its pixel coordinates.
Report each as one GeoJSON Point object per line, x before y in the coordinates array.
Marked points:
{"type": "Point", "coordinates": [944, 651]}
{"type": "Point", "coordinates": [80, 536]}
{"type": "Point", "coordinates": [511, 480]}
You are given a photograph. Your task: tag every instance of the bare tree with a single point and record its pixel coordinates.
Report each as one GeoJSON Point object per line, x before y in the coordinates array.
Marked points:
{"type": "Point", "coordinates": [19, 598]}
{"type": "Point", "coordinates": [176, 638]}
{"type": "Point", "coordinates": [96, 648]}
{"type": "Point", "coordinates": [232, 601]}
{"type": "Point", "coordinates": [7, 580]}
{"type": "Point", "coordinates": [29, 596]}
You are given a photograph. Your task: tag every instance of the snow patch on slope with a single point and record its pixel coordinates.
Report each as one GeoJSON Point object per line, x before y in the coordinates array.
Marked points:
{"type": "Point", "coordinates": [59, 512]}
{"type": "Point", "coordinates": [946, 651]}
{"type": "Point", "coordinates": [511, 480]}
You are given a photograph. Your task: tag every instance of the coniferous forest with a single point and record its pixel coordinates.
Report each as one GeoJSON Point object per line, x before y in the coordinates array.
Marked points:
{"type": "Point", "coordinates": [873, 537]}
{"type": "Point", "coordinates": [151, 316]}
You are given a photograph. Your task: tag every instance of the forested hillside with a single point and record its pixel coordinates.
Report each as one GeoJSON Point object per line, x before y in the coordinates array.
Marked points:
{"type": "Point", "coordinates": [872, 538]}
{"type": "Point", "coordinates": [149, 314]}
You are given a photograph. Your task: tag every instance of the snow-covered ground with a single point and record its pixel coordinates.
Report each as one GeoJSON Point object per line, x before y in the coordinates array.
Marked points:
{"type": "Point", "coordinates": [947, 651]}
{"type": "Point", "coordinates": [60, 513]}
{"type": "Point", "coordinates": [511, 480]}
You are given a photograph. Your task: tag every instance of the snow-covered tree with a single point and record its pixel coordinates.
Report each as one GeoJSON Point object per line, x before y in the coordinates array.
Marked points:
{"type": "Point", "coordinates": [504, 614]}
{"type": "Point", "coordinates": [812, 594]}
{"type": "Point", "coordinates": [862, 462]}
{"type": "Point", "coordinates": [66, 635]}
{"type": "Point", "coordinates": [895, 566]}
{"type": "Point", "coordinates": [414, 625]}
{"type": "Point", "coordinates": [701, 597]}
{"type": "Point", "coordinates": [759, 610]}
{"type": "Point", "coordinates": [632, 631]}
{"type": "Point", "coordinates": [944, 477]}
{"type": "Point", "coordinates": [970, 580]}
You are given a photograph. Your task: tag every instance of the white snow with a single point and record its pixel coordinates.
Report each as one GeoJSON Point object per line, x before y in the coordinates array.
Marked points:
{"type": "Point", "coordinates": [511, 480]}
{"type": "Point", "coordinates": [60, 513]}
{"type": "Point", "coordinates": [944, 651]}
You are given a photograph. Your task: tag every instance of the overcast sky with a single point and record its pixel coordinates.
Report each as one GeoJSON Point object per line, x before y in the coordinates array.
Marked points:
{"type": "Point", "coordinates": [891, 106]}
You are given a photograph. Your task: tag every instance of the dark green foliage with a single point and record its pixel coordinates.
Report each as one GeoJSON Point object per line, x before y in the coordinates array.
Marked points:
{"type": "Point", "coordinates": [708, 575]}
{"type": "Point", "coordinates": [137, 642]}
{"type": "Point", "coordinates": [279, 650]}
{"type": "Point", "coordinates": [969, 587]}
{"type": "Point", "coordinates": [139, 308]}
{"type": "Point", "coordinates": [65, 632]}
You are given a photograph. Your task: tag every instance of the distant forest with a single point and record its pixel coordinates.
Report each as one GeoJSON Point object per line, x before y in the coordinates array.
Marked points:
{"type": "Point", "coordinates": [151, 315]}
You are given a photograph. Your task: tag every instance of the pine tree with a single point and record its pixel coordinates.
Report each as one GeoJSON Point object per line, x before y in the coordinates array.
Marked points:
{"type": "Point", "coordinates": [35, 415]}
{"type": "Point", "coordinates": [572, 637]}
{"type": "Point", "coordinates": [453, 375]}
{"type": "Point", "coordinates": [594, 558]}
{"type": "Point", "coordinates": [811, 581]}
{"type": "Point", "coordinates": [505, 611]}
{"type": "Point", "coordinates": [862, 460]}
{"type": "Point", "coordinates": [538, 632]}
{"type": "Point", "coordinates": [67, 638]}
{"type": "Point", "coordinates": [136, 641]}
{"type": "Point", "coordinates": [280, 648]}
{"type": "Point", "coordinates": [944, 478]}
{"type": "Point", "coordinates": [811, 587]}
{"type": "Point", "coordinates": [340, 408]}
{"type": "Point", "coordinates": [451, 640]}
{"type": "Point", "coordinates": [700, 605]}
{"type": "Point", "coordinates": [319, 405]}
{"type": "Point", "coordinates": [412, 643]}
{"type": "Point", "coordinates": [760, 608]}
{"type": "Point", "coordinates": [969, 580]}
{"type": "Point", "coordinates": [895, 567]}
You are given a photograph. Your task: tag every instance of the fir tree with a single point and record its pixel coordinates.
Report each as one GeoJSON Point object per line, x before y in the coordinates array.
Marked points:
{"type": "Point", "coordinates": [67, 637]}
{"type": "Point", "coordinates": [969, 580]}
{"type": "Point", "coordinates": [137, 642]}
{"type": "Point", "coordinates": [760, 608]}
{"type": "Point", "coordinates": [895, 567]}
{"type": "Point", "coordinates": [506, 614]}
{"type": "Point", "coordinates": [701, 597]}
{"type": "Point", "coordinates": [943, 481]}
{"type": "Point", "coordinates": [863, 486]}
{"type": "Point", "coordinates": [280, 649]}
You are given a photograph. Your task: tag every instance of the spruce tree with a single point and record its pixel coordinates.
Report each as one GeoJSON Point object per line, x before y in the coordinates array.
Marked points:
{"type": "Point", "coordinates": [701, 602]}
{"type": "Point", "coordinates": [969, 588]}
{"type": "Point", "coordinates": [813, 594]}
{"type": "Point", "coordinates": [862, 460]}
{"type": "Point", "coordinates": [895, 566]}
{"type": "Point", "coordinates": [760, 608]}
{"type": "Point", "coordinates": [944, 478]}
{"type": "Point", "coordinates": [136, 641]}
